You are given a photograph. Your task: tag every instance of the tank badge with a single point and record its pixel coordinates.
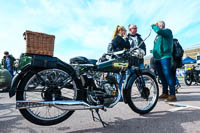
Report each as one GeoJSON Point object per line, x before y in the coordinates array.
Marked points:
{"type": "Point", "coordinates": [120, 65]}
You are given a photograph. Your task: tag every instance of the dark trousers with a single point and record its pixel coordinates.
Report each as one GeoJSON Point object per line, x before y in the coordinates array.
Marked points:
{"type": "Point", "coordinates": [164, 69]}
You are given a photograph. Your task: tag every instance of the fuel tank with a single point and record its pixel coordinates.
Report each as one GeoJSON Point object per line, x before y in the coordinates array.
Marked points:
{"type": "Point", "coordinates": [114, 65]}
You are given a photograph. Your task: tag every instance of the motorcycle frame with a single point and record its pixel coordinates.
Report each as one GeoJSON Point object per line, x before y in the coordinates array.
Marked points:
{"type": "Point", "coordinates": [124, 84]}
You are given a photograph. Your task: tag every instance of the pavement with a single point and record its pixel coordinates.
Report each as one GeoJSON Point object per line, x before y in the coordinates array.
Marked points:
{"type": "Point", "coordinates": [182, 116]}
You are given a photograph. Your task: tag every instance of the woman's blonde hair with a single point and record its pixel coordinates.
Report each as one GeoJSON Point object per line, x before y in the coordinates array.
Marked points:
{"type": "Point", "coordinates": [116, 31]}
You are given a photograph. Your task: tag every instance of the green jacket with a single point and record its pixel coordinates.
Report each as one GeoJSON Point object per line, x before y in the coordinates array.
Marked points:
{"type": "Point", "coordinates": [163, 43]}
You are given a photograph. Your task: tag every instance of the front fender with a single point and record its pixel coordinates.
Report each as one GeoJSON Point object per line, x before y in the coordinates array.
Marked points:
{"type": "Point", "coordinates": [132, 78]}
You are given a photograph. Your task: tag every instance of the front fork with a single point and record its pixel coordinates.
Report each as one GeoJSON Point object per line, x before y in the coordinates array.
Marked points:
{"type": "Point", "coordinates": [140, 83]}
{"type": "Point", "coordinates": [140, 77]}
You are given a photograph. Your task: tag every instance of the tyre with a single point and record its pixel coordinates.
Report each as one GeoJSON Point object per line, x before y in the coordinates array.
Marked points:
{"type": "Point", "coordinates": [142, 98]}
{"type": "Point", "coordinates": [188, 79]}
{"type": "Point", "coordinates": [42, 86]}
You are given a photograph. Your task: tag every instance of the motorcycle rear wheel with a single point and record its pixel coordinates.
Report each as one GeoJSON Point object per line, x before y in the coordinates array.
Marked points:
{"type": "Point", "coordinates": [143, 102]}
{"type": "Point", "coordinates": [32, 88]}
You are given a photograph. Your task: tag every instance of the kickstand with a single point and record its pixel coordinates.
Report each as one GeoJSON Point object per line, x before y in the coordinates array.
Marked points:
{"type": "Point", "coordinates": [99, 118]}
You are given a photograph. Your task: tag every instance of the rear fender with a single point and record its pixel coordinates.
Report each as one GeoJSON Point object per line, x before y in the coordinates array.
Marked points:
{"type": "Point", "coordinates": [17, 79]}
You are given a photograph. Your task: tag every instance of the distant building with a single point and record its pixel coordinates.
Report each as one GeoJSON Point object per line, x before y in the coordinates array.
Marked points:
{"type": "Point", "coordinates": [192, 52]}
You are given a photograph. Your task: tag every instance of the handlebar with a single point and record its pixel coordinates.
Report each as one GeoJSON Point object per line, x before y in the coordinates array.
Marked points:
{"type": "Point", "coordinates": [138, 52]}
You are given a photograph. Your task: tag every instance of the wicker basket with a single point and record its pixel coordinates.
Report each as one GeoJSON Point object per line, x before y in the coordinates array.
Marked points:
{"type": "Point", "coordinates": [39, 43]}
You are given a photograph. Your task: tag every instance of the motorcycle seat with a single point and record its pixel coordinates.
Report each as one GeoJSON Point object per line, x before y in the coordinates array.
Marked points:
{"type": "Point", "coordinates": [93, 61]}
{"type": "Point", "coordinates": [82, 60]}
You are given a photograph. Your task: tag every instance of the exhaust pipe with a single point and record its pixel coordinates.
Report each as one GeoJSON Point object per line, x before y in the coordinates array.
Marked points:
{"type": "Point", "coordinates": [64, 105]}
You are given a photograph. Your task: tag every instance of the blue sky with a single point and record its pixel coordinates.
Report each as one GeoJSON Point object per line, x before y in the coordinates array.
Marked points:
{"type": "Point", "coordinates": [85, 27]}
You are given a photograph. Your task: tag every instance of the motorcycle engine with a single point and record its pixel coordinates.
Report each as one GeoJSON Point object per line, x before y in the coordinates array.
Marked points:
{"type": "Point", "coordinates": [105, 91]}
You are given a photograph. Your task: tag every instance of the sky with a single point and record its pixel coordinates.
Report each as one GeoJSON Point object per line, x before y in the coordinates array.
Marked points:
{"type": "Point", "coordinates": [85, 27]}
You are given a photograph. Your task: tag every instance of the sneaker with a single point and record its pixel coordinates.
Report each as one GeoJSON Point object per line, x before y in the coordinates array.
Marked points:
{"type": "Point", "coordinates": [171, 99]}
{"type": "Point", "coordinates": [163, 96]}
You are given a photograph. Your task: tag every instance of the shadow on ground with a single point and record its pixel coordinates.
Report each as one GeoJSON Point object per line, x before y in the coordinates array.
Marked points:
{"type": "Point", "coordinates": [10, 121]}
{"type": "Point", "coordinates": [156, 122]}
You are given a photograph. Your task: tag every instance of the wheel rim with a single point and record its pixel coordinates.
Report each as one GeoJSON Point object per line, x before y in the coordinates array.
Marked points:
{"type": "Point", "coordinates": [139, 101]}
{"type": "Point", "coordinates": [35, 90]}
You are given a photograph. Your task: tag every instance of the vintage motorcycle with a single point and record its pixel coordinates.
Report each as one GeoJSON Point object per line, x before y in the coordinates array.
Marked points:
{"type": "Point", "coordinates": [192, 76]}
{"type": "Point", "coordinates": [49, 90]}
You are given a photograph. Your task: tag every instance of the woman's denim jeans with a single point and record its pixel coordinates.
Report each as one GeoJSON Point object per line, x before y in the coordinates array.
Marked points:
{"type": "Point", "coordinates": [164, 69]}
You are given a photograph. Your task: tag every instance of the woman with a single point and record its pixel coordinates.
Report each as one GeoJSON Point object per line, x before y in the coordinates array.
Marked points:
{"type": "Point", "coordinates": [119, 40]}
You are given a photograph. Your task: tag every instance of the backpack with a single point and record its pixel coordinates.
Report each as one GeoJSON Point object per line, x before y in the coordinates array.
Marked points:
{"type": "Point", "coordinates": [177, 53]}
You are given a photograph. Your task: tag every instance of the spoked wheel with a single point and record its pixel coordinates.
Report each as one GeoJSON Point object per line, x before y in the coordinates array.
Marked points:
{"type": "Point", "coordinates": [143, 95]}
{"type": "Point", "coordinates": [188, 79]}
{"type": "Point", "coordinates": [47, 85]}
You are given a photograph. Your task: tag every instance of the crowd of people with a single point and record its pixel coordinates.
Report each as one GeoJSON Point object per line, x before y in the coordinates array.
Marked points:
{"type": "Point", "coordinates": [164, 65]}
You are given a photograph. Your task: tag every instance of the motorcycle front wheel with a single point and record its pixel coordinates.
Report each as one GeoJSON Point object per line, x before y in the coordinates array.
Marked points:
{"type": "Point", "coordinates": [46, 85]}
{"type": "Point", "coordinates": [143, 94]}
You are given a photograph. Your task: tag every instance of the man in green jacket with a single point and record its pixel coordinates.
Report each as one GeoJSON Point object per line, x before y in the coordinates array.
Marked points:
{"type": "Point", "coordinates": [162, 54]}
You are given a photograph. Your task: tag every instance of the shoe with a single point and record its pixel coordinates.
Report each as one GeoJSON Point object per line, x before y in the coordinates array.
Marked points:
{"type": "Point", "coordinates": [171, 99]}
{"type": "Point", "coordinates": [163, 96]}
